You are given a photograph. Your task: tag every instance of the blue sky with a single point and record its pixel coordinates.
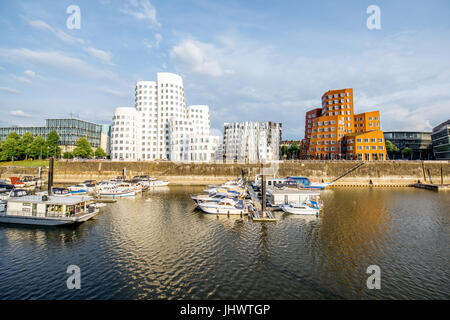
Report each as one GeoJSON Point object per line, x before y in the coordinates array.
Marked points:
{"type": "Point", "coordinates": [248, 60]}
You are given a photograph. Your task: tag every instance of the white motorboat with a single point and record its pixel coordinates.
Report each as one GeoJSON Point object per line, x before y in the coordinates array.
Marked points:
{"type": "Point", "coordinates": [225, 206]}
{"type": "Point", "coordinates": [48, 211]}
{"type": "Point", "coordinates": [116, 190]}
{"type": "Point", "coordinates": [307, 208]}
{"type": "Point", "coordinates": [214, 197]}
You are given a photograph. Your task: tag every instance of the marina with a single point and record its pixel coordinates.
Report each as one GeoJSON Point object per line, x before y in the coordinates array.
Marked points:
{"type": "Point", "coordinates": [159, 245]}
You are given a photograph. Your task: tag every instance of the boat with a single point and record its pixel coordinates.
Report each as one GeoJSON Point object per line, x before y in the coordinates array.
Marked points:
{"type": "Point", "coordinates": [48, 210]}
{"type": "Point", "coordinates": [277, 197]}
{"type": "Point", "coordinates": [306, 183]}
{"type": "Point", "coordinates": [30, 181]}
{"type": "Point", "coordinates": [214, 197]}
{"type": "Point", "coordinates": [307, 208]}
{"type": "Point", "coordinates": [16, 182]}
{"type": "Point", "coordinates": [117, 193]}
{"type": "Point", "coordinates": [116, 190]}
{"type": "Point", "coordinates": [225, 206]}
{"type": "Point", "coordinates": [5, 187]}
{"type": "Point", "coordinates": [60, 192]}
{"type": "Point", "coordinates": [82, 188]}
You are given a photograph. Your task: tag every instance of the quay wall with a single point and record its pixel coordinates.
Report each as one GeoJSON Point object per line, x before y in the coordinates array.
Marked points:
{"type": "Point", "coordinates": [383, 173]}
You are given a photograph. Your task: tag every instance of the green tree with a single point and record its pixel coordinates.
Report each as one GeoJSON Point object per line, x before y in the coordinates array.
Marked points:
{"type": "Point", "coordinates": [83, 148]}
{"type": "Point", "coordinates": [52, 144]}
{"type": "Point", "coordinates": [11, 147]}
{"type": "Point", "coordinates": [67, 155]}
{"type": "Point", "coordinates": [391, 148]}
{"type": "Point", "coordinates": [100, 153]}
{"type": "Point", "coordinates": [294, 151]}
{"type": "Point", "coordinates": [407, 152]}
{"type": "Point", "coordinates": [38, 148]}
{"type": "Point", "coordinates": [25, 145]}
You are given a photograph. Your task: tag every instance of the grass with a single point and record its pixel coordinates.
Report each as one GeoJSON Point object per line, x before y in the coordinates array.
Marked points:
{"type": "Point", "coordinates": [27, 163]}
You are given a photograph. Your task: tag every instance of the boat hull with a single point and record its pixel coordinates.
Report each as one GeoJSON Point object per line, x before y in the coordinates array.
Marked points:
{"type": "Point", "coordinates": [50, 222]}
{"type": "Point", "coordinates": [118, 195]}
{"type": "Point", "coordinates": [300, 211]}
{"type": "Point", "coordinates": [226, 211]}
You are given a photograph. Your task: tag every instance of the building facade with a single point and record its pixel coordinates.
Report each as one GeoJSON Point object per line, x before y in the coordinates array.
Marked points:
{"type": "Point", "coordinates": [251, 141]}
{"type": "Point", "coordinates": [69, 131]}
{"type": "Point", "coordinates": [161, 126]}
{"type": "Point", "coordinates": [440, 138]}
{"type": "Point", "coordinates": [326, 130]}
{"type": "Point", "coordinates": [418, 142]}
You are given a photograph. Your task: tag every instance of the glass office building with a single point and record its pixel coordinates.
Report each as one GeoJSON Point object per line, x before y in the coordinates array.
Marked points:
{"type": "Point", "coordinates": [69, 131]}
{"type": "Point", "coordinates": [441, 141]}
{"type": "Point", "coordinates": [419, 142]}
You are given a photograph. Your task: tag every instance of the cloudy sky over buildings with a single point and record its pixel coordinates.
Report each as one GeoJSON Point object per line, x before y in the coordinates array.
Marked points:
{"type": "Point", "coordinates": [248, 60]}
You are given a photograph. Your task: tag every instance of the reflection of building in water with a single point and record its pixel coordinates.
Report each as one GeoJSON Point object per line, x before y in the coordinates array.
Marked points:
{"type": "Point", "coordinates": [352, 233]}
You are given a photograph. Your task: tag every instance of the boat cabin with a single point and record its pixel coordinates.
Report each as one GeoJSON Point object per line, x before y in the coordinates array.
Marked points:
{"type": "Point", "coordinates": [44, 206]}
{"type": "Point", "coordinates": [279, 197]}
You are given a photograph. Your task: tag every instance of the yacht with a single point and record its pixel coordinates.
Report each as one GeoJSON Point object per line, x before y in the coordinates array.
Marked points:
{"type": "Point", "coordinates": [116, 190]}
{"type": "Point", "coordinates": [307, 208]}
{"type": "Point", "coordinates": [48, 210]}
{"type": "Point", "coordinates": [214, 197]}
{"type": "Point", "coordinates": [225, 206]}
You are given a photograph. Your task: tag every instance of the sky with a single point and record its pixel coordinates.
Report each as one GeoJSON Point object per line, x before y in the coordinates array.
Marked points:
{"type": "Point", "coordinates": [248, 60]}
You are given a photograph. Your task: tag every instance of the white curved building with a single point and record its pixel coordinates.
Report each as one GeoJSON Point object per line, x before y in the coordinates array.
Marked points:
{"type": "Point", "coordinates": [124, 134]}
{"type": "Point", "coordinates": [165, 128]}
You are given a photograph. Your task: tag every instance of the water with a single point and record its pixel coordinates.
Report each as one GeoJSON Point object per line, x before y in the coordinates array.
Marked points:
{"type": "Point", "coordinates": [158, 246]}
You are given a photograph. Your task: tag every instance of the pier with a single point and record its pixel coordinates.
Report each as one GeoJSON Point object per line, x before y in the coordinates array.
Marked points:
{"type": "Point", "coordinates": [257, 214]}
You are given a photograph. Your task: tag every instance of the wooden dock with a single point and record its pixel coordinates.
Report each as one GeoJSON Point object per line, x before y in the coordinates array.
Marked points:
{"type": "Point", "coordinates": [434, 187]}
{"type": "Point", "coordinates": [257, 215]}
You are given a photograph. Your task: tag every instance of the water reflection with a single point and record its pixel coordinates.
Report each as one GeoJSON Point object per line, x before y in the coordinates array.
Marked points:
{"type": "Point", "coordinates": [159, 246]}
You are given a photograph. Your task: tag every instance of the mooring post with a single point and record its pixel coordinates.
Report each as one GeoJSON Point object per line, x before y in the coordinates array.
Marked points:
{"type": "Point", "coordinates": [442, 176]}
{"type": "Point", "coordinates": [429, 176]}
{"type": "Point", "coordinates": [50, 176]}
{"type": "Point", "coordinates": [263, 190]}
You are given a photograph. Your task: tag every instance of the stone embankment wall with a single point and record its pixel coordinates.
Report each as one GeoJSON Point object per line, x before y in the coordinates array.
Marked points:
{"type": "Point", "coordinates": [386, 173]}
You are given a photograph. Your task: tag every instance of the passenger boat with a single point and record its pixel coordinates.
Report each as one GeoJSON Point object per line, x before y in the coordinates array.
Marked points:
{"type": "Point", "coordinates": [225, 206]}
{"type": "Point", "coordinates": [48, 210]}
{"type": "Point", "coordinates": [307, 208]}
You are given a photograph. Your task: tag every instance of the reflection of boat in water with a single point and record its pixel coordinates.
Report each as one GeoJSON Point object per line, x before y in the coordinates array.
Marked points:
{"type": "Point", "coordinates": [305, 208]}
{"type": "Point", "coordinates": [48, 211]}
{"type": "Point", "coordinates": [225, 206]}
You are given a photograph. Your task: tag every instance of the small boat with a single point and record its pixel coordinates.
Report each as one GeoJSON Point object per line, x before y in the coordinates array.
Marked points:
{"type": "Point", "coordinates": [116, 190]}
{"type": "Point", "coordinates": [60, 192]}
{"type": "Point", "coordinates": [82, 188]}
{"type": "Point", "coordinates": [117, 193]}
{"type": "Point", "coordinates": [307, 208]}
{"type": "Point", "coordinates": [225, 206]}
{"type": "Point", "coordinates": [48, 211]}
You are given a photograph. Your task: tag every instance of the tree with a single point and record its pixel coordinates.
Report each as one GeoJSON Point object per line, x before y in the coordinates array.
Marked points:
{"type": "Point", "coordinates": [25, 145]}
{"type": "Point", "coordinates": [407, 152]}
{"type": "Point", "coordinates": [294, 151]}
{"type": "Point", "coordinates": [83, 148]}
{"type": "Point", "coordinates": [10, 147]}
{"type": "Point", "coordinates": [391, 148]}
{"type": "Point", "coordinates": [38, 147]}
{"type": "Point", "coordinates": [52, 144]}
{"type": "Point", "coordinates": [67, 155]}
{"type": "Point", "coordinates": [100, 153]}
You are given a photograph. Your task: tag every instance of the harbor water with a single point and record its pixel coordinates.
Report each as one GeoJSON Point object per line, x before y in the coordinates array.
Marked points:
{"type": "Point", "coordinates": [159, 246]}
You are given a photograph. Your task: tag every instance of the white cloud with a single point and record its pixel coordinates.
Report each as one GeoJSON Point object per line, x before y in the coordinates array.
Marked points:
{"type": "Point", "coordinates": [265, 84]}
{"type": "Point", "coordinates": [39, 24]}
{"type": "Point", "coordinates": [19, 113]}
{"type": "Point", "coordinates": [120, 94]}
{"type": "Point", "coordinates": [30, 73]}
{"type": "Point", "coordinates": [195, 56]}
{"type": "Point", "coordinates": [100, 54]}
{"type": "Point", "coordinates": [142, 10]}
{"type": "Point", "coordinates": [9, 90]}
{"type": "Point", "coordinates": [21, 79]}
{"type": "Point", "coordinates": [58, 60]}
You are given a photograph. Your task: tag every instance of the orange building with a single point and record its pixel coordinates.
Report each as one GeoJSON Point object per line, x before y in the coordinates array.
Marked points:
{"type": "Point", "coordinates": [325, 139]}
{"type": "Point", "coordinates": [365, 146]}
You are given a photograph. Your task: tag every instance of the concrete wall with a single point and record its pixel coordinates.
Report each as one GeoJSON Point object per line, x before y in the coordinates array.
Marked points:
{"type": "Point", "coordinates": [381, 173]}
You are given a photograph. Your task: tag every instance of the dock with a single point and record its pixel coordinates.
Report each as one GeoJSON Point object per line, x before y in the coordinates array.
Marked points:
{"type": "Point", "coordinates": [430, 186]}
{"type": "Point", "coordinates": [257, 214]}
